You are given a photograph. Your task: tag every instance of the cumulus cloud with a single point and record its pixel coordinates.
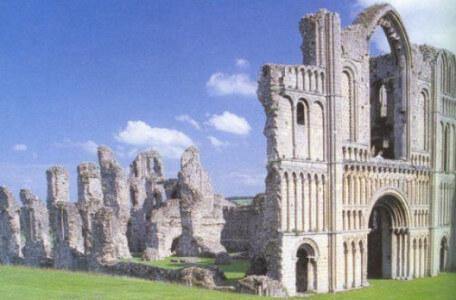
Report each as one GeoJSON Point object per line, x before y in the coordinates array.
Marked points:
{"type": "Point", "coordinates": [216, 143]}
{"type": "Point", "coordinates": [169, 142]}
{"type": "Point", "coordinates": [242, 63]}
{"type": "Point", "coordinates": [229, 122]}
{"type": "Point", "coordinates": [189, 120]}
{"type": "Point", "coordinates": [221, 84]}
{"type": "Point", "coordinates": [87, 146]}
{"type": "Point", "coordinates": [20, 147]}
{"type": "Point", "coordinates": [427, 22]}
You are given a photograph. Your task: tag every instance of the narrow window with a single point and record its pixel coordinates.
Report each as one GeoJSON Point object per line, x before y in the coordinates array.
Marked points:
{"type": "Point", "coordinates": [301, 119]}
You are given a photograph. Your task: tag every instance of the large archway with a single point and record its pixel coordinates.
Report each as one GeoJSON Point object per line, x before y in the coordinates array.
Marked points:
{"type": "Point", "coordinates": [388, 246]}
{"type": "Point", "coordinates": [443, 254]}
{"type": "Point", "coordinates": [306, 269]}
{"type": "Point", "coordinates": [389, 90]}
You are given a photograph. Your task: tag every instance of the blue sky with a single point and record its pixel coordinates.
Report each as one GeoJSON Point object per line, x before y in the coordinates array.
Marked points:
{"type": "Point", "coordinates": [139, 74]}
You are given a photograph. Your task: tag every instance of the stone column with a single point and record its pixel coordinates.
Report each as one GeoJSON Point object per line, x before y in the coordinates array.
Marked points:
{"type": "Point", "coordinates": [35, 226]}
{"type": "Point", "coordinates": [393, 254]}
{"type": "Point", "coordinates": [10, 229]}
{"type": "Point", "coordinates": [310, 274]}
{"type": "Point", "coordinates": [90, 199]}
{"type": "Point", "coordinates": [65, 222]}
{"type": "Point", "coordinates": [115, 196]}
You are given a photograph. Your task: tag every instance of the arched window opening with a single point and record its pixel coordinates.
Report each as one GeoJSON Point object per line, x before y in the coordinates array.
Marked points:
{"type": "Point", "coordinates": [300, 114]}
{"type": "Point", "coordinates": [445, 148]}
{"type": "Point", "coordinates": [306, 269]}
{"type": "Point", "coordinates": [389, 90]}
{"type": "Point", "coordinates": [443, 254]}
{"type": "Point", "coordinates": [349, 103]}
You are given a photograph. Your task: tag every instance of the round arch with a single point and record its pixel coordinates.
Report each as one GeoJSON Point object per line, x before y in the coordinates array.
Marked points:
{"type": "Point", "coordinates": [389, 220]}
{"type": "Point", "coordinates": [306, 266]}
{"type": "Point", "coordinates": [386, 17]}
{"type": "Point", "coordinates": [400, 206]}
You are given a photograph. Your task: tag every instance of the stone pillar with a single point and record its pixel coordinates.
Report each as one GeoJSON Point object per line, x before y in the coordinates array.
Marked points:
{"type": "Point", "coordinates": [364, 268]}
{"type": "Point", "coordinates": [197, 204]}
{"type": "Point", "coordinates": [35, 226]}
{"type": "Point", "coordinates": [90, 199]}
{"type": "Point", "coordinates": [146, 181]}
{"type": "Point", "coordinates": [65, 222]}
{"type": "Point", "coordinates": [10, 230]}
{"type": "Point", "coordinates": [354, 261]}
{"type": "Point", "coordinates": [310, 274]}
{"type": "Point", "coordinates": [115, 196]}
{"type": "Point", "coordinates": [103, 250]}
{"type": "Point", "coordinates": [393, 255]}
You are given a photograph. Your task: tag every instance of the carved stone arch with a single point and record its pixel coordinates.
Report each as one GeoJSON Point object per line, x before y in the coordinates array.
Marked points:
{"type": "Point", "coordinates": [318, 131]}
{"type": "Point", "coordinates": [349, 94]}
{"type": "Point", "coordinates": [441, 72]}
{"type": "Point", "coordinates": [310, 245]}
{"type": "Point", "coordinates": [386, 17]}
{"type": "Point", "coordinates": [400, 209]}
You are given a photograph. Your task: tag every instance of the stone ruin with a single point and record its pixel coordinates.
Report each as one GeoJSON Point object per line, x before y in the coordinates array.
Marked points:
{"type": "Point", "coordinates": [114, 216]}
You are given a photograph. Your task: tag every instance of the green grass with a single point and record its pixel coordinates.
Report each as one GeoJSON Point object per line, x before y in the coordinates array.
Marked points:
{"type": "Point", "coordinates": [25, 283]}
{"type": "Point", "coordinates": [233, 271]}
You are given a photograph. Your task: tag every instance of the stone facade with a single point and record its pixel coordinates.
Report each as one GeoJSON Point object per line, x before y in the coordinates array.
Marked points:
{"type": "Point", "coordinates": [361, 157]}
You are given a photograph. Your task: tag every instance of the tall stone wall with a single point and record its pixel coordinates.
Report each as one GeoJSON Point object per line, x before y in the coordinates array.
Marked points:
{"type": "Point", "coordinates": [37, 249]}
{"type": "Point", "coordinates": [90, 200]}
{"type": "Point", "coordinates": [146, 184]}
{"type": "Point", "coordinates": [242, 225]}
{"type": "Point", "coordinates": [200, 209]}
{"type": "Point", "coordinates": [10, 235]}
{"type": "Point", "coordinates": [65, 222]}
{"type": "Point", "coordinates": [115, 196]}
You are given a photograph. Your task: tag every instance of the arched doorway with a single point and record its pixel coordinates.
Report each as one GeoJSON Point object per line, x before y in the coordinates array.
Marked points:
{"type": "Point", "coordinates": [443, 254]}
{"type": "Point", "coordinates": [306, 277]}
{"type": "Point", "coordinates": [388, 247]}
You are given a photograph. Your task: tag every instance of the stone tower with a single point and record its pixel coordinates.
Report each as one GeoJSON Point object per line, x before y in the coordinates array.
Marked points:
{"type": "Point", "coordinates": [361, 157]}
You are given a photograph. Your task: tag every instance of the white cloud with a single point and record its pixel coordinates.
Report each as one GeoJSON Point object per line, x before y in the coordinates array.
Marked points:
{"type": "Point", "coordinates": [189, 120]}
{"type": "Point", "coordinates": [229, 122]}
{"type": "Point", "coordinates": [20, 147]}
{"type": "Point", "coordinates": [426, 22]}
{"type": "Point", "coordinates": [242, 63]}
{"type": "Point", "coordinates": [169, 142]}
{"type": "Point", "coordinates": [216, 143]}
{"type": "Point", "coordinates": [221, 84]}
{"type": "Point", "coordinates": [87, 146]}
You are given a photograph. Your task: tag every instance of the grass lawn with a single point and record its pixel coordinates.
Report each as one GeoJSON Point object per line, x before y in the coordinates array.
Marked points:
{"type": "Point", "coordinates": [25, 283]}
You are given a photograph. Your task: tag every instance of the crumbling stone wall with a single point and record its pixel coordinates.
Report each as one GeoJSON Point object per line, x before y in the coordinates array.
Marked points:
{"type": "Point", "coordinates": [90, 199]}
{"type": "Point", "coordinates": [10, 235]}
{"type": "Point", "coordinates": [115, 196]}
{"type": "Point", "coordinates": [200, 209]}
{"type": "Point", "coordinates": [103, 248]}
{"type": "Point", "coordinates": [146, 181]}
{"type": "Point", "coordinates": [242, 225]}
{"type": "Point", "coordinates": [34, 218]}
{"type": "Point", "coordinates": [65, 222]}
